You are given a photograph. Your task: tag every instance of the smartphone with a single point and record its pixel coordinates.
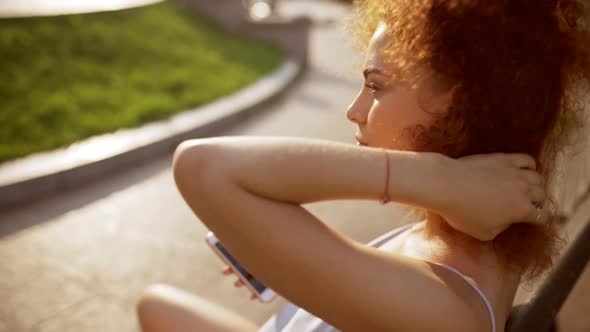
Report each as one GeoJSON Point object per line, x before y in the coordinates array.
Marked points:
{"type": "Point", "coordinates": [264, 293]}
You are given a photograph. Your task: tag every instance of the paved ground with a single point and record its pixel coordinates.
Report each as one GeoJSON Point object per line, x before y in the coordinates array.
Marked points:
{"type": "Point", "coordinates": [77, 261]}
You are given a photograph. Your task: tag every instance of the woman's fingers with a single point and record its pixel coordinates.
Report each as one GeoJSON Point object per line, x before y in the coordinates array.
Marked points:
{"type": "Point", "coordinates": [537, 194]}
{"type": "Point", "coordinates": [532, 177]}
{"type": "Point", "coordinates": [238, 283]}
{"type": "Point", "coordinates": [537, 215]}
{"type": "Point", "coordinates": [522, 161]}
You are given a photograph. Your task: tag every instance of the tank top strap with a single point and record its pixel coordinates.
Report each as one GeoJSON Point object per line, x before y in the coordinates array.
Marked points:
{"type": "Point", "coordinates": [377, 242]}
{"type": "Point", "coordinates": [481, 294]}
{"type": "Point", "coordinates": [291, 316]}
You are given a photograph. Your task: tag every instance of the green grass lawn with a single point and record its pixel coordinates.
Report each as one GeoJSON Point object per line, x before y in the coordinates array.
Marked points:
{"type": "Point", "coordinates": [69, 77]}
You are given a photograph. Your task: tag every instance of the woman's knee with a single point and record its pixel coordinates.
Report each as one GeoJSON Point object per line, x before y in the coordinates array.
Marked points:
{"type": "Point", "coordinates": [165, 308]}
{"type": "Point", "coordinates": [160, 297]}
{"type": "Point", "coordinates": [150, 304]}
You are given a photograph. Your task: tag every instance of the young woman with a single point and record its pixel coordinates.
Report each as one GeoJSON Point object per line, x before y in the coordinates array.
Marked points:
{"type": "Point", "coordinates": [461, 113]}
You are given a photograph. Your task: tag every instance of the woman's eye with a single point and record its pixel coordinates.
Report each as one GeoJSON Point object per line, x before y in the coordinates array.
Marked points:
{"type": "Point", "coordinates": [372, 86]}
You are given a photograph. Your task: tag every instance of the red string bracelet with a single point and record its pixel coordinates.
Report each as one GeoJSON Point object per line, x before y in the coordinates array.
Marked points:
{"type": "Point", "coordinates": [386, 197]}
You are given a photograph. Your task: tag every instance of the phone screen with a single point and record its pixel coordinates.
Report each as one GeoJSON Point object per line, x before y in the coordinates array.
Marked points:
{"type": "Point", "coordinates": [259, 286]}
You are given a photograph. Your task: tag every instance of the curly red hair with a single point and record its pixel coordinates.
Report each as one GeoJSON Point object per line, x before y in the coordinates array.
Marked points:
{"type": "Point", "coordinates": [515, 66]}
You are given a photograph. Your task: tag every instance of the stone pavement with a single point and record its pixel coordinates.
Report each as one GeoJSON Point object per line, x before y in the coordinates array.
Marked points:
{"type": "Point", "coordinates": [77, 261]}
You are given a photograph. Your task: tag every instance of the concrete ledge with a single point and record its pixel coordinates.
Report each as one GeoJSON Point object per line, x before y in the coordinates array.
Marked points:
{"type": "Point", "coordinates": [291, 34]}
{"type": "Point", "coordinates": [43, 174]}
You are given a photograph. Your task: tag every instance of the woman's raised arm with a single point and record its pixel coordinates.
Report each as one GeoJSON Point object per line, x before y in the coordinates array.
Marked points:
{"type": "Point", "coordinates": [479, 195]}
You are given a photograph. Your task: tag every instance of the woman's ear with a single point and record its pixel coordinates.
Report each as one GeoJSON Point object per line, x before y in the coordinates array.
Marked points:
{"type": "Point", "coordinates": [436, 99]}
{"type": "Point", "coordinates": [446, 97]}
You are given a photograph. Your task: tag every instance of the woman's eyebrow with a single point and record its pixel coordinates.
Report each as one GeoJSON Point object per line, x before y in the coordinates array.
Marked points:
{"type": "Point", "coordinates": [372, 70]}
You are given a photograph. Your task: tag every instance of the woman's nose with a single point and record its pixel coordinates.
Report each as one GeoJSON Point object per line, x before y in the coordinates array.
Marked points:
{"type": "Point", "coordinates": [357, 111]}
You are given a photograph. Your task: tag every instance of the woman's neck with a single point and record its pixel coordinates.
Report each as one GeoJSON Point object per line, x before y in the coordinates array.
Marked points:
{"type": "Point", "coordinates": [458, 249]}
{"type": "Point", "coordinates": [437, 229]}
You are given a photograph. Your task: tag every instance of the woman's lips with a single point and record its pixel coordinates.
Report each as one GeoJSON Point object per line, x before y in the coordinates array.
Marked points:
{"type": "Point", "coordinates": [360, 141]}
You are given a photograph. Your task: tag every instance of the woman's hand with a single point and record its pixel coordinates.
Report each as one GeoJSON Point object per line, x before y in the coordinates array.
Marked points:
{"type": "Point", "coordinates": [481, 195]}
{"type": "Point", "coordinates": [239, 283]}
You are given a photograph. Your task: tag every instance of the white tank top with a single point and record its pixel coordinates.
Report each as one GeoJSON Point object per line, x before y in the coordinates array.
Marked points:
{"type": "Point", "coordinates": [294, 319]}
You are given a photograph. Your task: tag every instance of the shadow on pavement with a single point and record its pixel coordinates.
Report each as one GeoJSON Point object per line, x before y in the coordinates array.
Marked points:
{"type": "Point", "coordinates": [22, 216]}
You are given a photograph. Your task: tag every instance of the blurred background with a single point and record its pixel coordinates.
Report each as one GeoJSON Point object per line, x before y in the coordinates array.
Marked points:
{"type": "Point", "coordinates": [96, 95]}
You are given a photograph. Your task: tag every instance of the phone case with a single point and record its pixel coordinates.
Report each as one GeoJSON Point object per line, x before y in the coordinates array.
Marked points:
{"type": "Point", "coordinates": [266, 296]}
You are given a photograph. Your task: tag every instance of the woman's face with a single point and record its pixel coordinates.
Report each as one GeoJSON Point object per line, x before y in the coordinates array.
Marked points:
{"type": "Point", "coordinates": [388, 114]}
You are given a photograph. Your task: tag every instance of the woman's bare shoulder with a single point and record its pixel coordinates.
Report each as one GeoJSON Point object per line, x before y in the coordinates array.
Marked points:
{"type": "Point", "coordinates": [477, 264]}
